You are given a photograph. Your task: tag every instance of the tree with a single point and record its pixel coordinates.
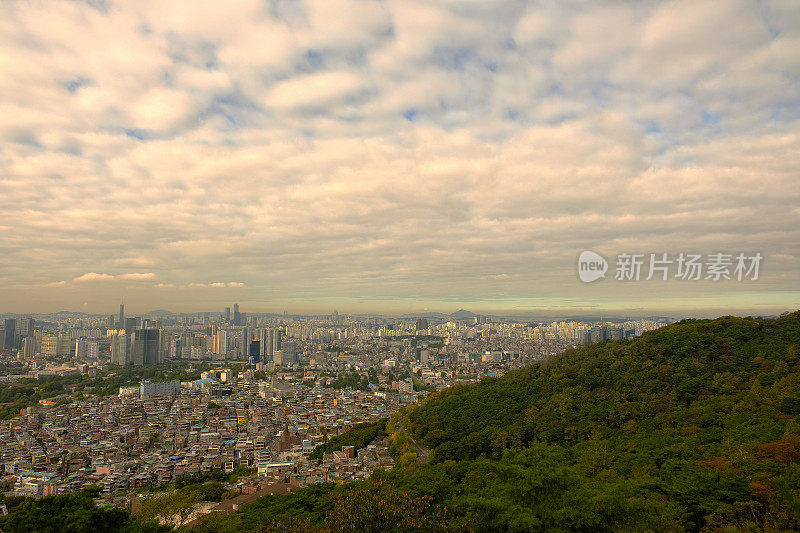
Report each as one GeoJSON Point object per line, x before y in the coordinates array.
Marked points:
{"type": "Point", "coordinates": [172, 508]}
{"type": "Point", "coordinates": [377, 508]}
{"type": "Point", "coordinates": [71, 513]}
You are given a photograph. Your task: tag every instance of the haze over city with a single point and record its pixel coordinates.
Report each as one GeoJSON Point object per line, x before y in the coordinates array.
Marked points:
{"type": "Point", "coordinates": [395, 156]}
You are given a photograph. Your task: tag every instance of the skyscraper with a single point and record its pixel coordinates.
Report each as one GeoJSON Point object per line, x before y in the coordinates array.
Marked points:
{"type": "Point", "coordinates": [237, 317]}
{"type": "Point", "coordinates": [130, 324]}
{"type": "Point", "coordinates": [276, 339]}
{"type": "Point", "coordinates": [255, 352]}
{"type": "Point", "coordinates": [25, 327]}
{"type": "Point", "coordinates": [146, 346]}
{"type": "Point", "coordinates": [28, 347]}
{"type": "Point", "coordinates": [119, 349]}
{"type": "Point", "coordinates": [121, 324]}
{"type": "Point", "coordinates": [10, 333]}
{"type": "Point", "coordinates": [267, 346]}
{"type": "Point", "coordinates": [228, 315]}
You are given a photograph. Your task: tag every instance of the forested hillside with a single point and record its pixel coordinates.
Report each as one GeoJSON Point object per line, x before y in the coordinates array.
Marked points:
{"type": "Point", "coordinates": [689, 427]}
{"type": "Point", "coordinates": [694, 427]}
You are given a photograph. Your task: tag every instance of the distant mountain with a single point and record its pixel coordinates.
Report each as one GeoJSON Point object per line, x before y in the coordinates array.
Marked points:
{"type": "Point", "coordinates": [423, 315]}
{"type": "Point", "coordinates": [461, 314]}
{"type": "Point", "coordinates": [159, 312]}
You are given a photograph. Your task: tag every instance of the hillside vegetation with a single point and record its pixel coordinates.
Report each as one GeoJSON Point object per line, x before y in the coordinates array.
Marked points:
{"type": "Point", "coordinates": [694, 427]}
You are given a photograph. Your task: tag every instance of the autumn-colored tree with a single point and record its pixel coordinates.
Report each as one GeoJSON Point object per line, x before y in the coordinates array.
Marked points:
{"type": "Point", "coordinates": [377, 508]}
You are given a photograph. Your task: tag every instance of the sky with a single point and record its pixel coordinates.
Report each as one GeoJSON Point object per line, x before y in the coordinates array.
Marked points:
{"type": "Point", "coordinates": [395, 156]}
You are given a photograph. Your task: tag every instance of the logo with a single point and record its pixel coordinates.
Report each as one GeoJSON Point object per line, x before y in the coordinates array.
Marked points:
{"type": "Point", "coordinates": [591, 266]}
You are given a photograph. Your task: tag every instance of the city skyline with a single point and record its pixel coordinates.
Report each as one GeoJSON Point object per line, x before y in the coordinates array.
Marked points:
{"type": "Point", "coordinates": [388, 157]}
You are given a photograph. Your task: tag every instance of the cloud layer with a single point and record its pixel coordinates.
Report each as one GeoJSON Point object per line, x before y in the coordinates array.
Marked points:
{"type": "Point", "coordinates": [382, 155]}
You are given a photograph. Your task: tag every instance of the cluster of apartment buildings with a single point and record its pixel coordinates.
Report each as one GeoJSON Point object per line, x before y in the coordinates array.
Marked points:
{"type": "Point", "coordinates": [128, 441]}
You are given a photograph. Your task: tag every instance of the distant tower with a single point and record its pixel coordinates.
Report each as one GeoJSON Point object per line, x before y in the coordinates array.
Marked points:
{"type": "Point", "coordinates": [276, 340]}
{"type": "Point", "coordinates": [237, 317]}
{"type": "Point", "coordinates": [228, 315]}
{"type": "Point", "coordinates": [10, 333]}
{"type": "Point", "coordinates": [121, 323]}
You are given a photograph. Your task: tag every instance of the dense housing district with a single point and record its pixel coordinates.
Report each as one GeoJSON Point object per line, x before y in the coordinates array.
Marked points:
{"type": "Point", "coordinates": [248, 396]}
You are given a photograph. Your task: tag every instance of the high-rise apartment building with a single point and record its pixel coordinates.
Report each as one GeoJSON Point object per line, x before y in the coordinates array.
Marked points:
{"type": "Point", "coordinates": [28, 347]}
{"type": "Point", "coordinates": [276, 339]}
{"type": "Point", "coordinates": [25, 327]}
{"type": "Point", "coordinates": [119, 349]}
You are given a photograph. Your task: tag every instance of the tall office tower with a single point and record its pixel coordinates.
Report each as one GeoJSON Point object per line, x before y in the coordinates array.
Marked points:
{"type": "Point", "coordinates": [221, 342]}
{"type": "Point", "coordinates": [81, 347]}
{"type": "Point", "coordinates": [247, 336]}
{"type": "Point", "coordinates": [50, 344]}
{"type": "Point", "coordinates": [110, 322]}
{"type": "Point", "coordinates": [131, 324]}
{"type": "Point", "coordinates": [10, 333]}
{"type": "Point", "coordinates": [65, 345]}
{"type": "Point", "coordinates": [597, 334]}
{"type": "Point", "coordinates": [615, 333]}
{"type": "Point", "coordinates": [146, 346]}
{"type": "Point", "coordinates": [119, 349]}
{"type": "Point", "coordinates": [28, 348]}
{"type": "Point", "coordinates": [228, 315]}
{"type": "Point", "coordinates": [266, 344]}
{"type": "Point", "coordinates": [289, 350]}
{"type": "Point", "coordinates": [276, 339]}
{"type": "Point", "coordinates": [121, 324]}
{"type": "Point", "coordinates": [93, 350]}
{"type": "Point", "coordinates": [25, 327]}
{"type": "Point", "coordinates": [255, 352]}
{"type": "Point", "coordinates": [237, 317]}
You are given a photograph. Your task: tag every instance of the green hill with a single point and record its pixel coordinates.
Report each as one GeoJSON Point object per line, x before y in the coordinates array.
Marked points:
{"type": "Point", "coordinates": [692, 427]}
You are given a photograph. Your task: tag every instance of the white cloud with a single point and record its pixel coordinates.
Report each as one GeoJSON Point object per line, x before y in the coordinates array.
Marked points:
{"type": "Point", "coordinates": [93, 276]}
{"type": "Point", "coordinates": [314, 90]}
{"type": "Point", "coordinates": [387, 150]}
{"type": "Point", "coordinates": [138, 276]}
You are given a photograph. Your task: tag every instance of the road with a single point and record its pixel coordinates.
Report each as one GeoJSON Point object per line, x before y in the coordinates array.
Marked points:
{"type": "Point", "coordinates": [422, 452]}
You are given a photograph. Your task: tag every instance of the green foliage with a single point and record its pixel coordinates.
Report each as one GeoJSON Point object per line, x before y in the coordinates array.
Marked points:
{"type": "Point", "coordinates": [71, 513]}
{"type": "Point", "coordinates": [702, 415]}
{"type": "Point", "coordinates": [350, 380]}
{"type": "Point", "coordinates": [213, 475]}
{"type": "Point", "coordinates": [359, 436]}
{"type": "Point", "coordinates": [694, 427]}
{"type": "Point", "coordinates": [375, 507]}
{"type": "Point", "coordinates": [370, 506]}
{"type": "Point", "coordinates": [27, 392]}
{"type": "Point", "coordinates": [308, 505]}
{"type": "Point", "coordinates": [173, 507]}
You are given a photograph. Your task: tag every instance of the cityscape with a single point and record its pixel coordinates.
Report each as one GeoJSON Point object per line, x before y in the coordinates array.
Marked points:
{"type": "Point", "coordinates": [399, 266]}
{"type": "Point", "coordinates": [268, 390]}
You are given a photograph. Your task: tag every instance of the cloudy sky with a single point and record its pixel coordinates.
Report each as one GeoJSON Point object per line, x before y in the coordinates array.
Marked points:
{"type": "Point", "coordinates": [394, 155]}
